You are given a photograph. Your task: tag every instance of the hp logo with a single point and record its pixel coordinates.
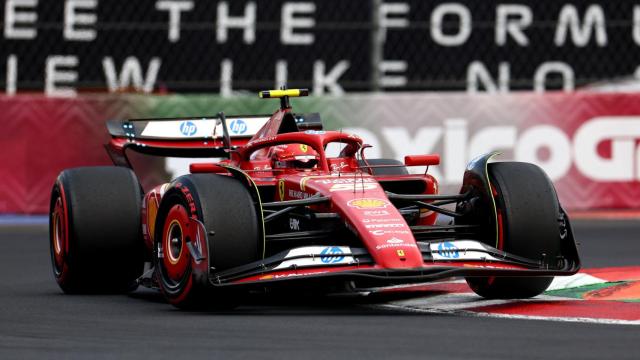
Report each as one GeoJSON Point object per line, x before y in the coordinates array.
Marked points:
{"type": "Point", "coordinates": [448, 250]}
{"type": "Point", "coordinates": [336, 255]}
{"type": "Point", "coordinates": [187, 128]}
{"type": "Point", "coordinates": [238, 126]}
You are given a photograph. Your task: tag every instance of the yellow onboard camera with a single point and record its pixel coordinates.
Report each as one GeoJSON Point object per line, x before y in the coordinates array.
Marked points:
{"type": "Point", "coordinates": [283, 95]}
{"type": "Point", "coordinates": [272, 94]}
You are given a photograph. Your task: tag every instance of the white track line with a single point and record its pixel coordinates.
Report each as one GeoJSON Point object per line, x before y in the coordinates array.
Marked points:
{"type": "Point", "coordinates": [463, 301]}
{"type": "Point", "coordinates": [458, 304]}
{"type": "Point", "coordinates": [506, 316]}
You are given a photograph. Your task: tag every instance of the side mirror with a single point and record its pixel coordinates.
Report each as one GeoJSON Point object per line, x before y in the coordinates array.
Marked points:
{"type": "Point", "coordinates": [422, 160]}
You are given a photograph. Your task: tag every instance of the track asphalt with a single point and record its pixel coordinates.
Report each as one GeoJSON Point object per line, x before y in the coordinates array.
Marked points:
{"type": "Point", "coordinates": [38, 321]}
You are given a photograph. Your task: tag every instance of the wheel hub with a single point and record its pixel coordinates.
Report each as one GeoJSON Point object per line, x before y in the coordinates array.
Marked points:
{"type": "Point", "coordinates": [59, 235]}
{"type": "Point", "coordinates": [176, 233]}
{"type": "Point", "coordinates": [175, 241]}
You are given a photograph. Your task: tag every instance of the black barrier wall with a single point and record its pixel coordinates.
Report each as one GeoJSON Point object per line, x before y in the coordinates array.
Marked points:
{"type": "Point", "coordinates": [61, 47]}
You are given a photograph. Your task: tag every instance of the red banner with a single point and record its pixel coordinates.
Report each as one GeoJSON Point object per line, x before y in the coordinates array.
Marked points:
{"type": "Point", "coordinates": [42, 136]}
{"type": "Point", "coordinates": [589, 144]}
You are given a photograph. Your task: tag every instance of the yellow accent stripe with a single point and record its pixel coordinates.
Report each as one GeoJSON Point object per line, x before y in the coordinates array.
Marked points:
{"type": "Point", "coordinates": [270, 94]}
{"type": "Point", "coordinates": [493, 201]}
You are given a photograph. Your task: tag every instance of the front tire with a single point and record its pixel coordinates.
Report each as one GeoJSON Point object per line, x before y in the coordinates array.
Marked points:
{"type": "Point", "coordinates": [94, 230]}
{"type": "Point", "coordinates": [528, 213]}
{"type": "Point", "coordinates": [227, 211]}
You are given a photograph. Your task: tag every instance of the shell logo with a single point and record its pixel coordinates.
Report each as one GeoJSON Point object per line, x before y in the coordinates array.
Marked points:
{"type": "Point", "coordinates": [368, 203]}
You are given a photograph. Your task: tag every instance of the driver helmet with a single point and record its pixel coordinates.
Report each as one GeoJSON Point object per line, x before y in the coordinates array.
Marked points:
{"type": "Point", "coordinates": [299, 156]}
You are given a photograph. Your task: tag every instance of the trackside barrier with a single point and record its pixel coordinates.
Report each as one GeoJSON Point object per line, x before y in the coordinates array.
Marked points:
{"type": "Point", "coordinates": [588, 143]}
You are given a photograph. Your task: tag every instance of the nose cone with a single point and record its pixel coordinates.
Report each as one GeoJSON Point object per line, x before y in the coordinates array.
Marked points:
{"type": "Point", "coordinates": [361, 201]}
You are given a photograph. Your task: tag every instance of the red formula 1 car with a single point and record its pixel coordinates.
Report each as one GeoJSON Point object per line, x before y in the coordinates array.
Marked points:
{"type": "Point", "coordinates": [279, 211]}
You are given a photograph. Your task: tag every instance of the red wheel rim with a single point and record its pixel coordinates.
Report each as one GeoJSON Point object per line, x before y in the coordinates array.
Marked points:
{"type": "Point", "coordinates": [59, 235]}
{"type": "Point", "coordinates": [176, 257]}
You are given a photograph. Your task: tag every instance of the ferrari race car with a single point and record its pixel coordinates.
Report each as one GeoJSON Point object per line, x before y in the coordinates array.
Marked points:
{"type": "Point", "coordinates": [280, 211]}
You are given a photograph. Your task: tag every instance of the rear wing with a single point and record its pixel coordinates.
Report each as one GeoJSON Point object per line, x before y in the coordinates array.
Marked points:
{"type": "Point", "coordinates": [189, 137]}
{"type": "Point", "coordinates": [189, 129]}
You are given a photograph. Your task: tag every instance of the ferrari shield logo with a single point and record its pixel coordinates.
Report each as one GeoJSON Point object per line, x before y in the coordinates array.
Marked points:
{"type": "Point", "coordinates": [281, 189]}
{"type": "Point", "coordinates": [304, 147]}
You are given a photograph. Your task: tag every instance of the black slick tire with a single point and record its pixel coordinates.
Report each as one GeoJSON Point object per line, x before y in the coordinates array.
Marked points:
{"type": "Point", "coordinates": [94, 230]}
{"type": "Point", "coordinates": [528, 212]}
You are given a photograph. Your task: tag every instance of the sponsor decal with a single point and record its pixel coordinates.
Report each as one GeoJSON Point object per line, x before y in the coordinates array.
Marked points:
{"type": "Point", "coordinates": [353, 187]}
{"type": "Point", "coordinates": [238, 126]}
{"type": "Point", "coordinates": [316, 256]}
{"type": "Point", "coordinates": [374, 220]}
{"type": "Point", "coordinates": [304, 147]}
{"type": "Point", "coordinates": [387, 246]}
{"type": "Point", "coordinates": [448, 250]}
{"type": "Point", "coordinates": [298, 194]}
{"type": "Point", "coordinates": [190, 201]}
{"type": "Point", "coordinates": [279, 276]}
{"type": "Point", "coordinates": [179, 129]}
{"type": "Point", "coordinates": [395, 240]}
{"type": "Point", "coordinates": [400, 253]}
{"type": "Point", "coordinates": [281, 189]}
{"type": "Point", "coordinates": [460, 250]}
{"type": "Point", "coordinates": [315, 132]}
{"type": "Point", "coordinates": [345, 180]}
{"type": "Point", "coordinates": [265, 167]}
{"type": "Point", "coordinates": [294, 224]}
{"type": "Point", "coordinates": [188, 128]}
{"type": "Point", "coordinates": [331, 255]}
{"type": "Point", "coordinates": [376, 213]}
{"type": "Point", "coordinates": [261, 140]}
{"type": "Point", "coordinates": [368, 203]}
{"type": "Point", "coordinates": [389, 232]}
{"type": "Point", "coordinates": [384, 226]}
{"type": "Point", "coordinates": [338, 167]}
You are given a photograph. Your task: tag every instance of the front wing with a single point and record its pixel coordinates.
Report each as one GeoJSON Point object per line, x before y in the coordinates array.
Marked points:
{"type": "Point", "coordinates": [441, 259]}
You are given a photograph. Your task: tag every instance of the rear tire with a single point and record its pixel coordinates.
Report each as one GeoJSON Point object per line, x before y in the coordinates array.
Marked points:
{"type": "Point", "coordinates": [229, 215]}
{"type": "Point", "coordinates": [528, 212]}
{"type": "Point", "coordinates": [94, 230]}
{"type": "Point", "coordinates": [400, 170]}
